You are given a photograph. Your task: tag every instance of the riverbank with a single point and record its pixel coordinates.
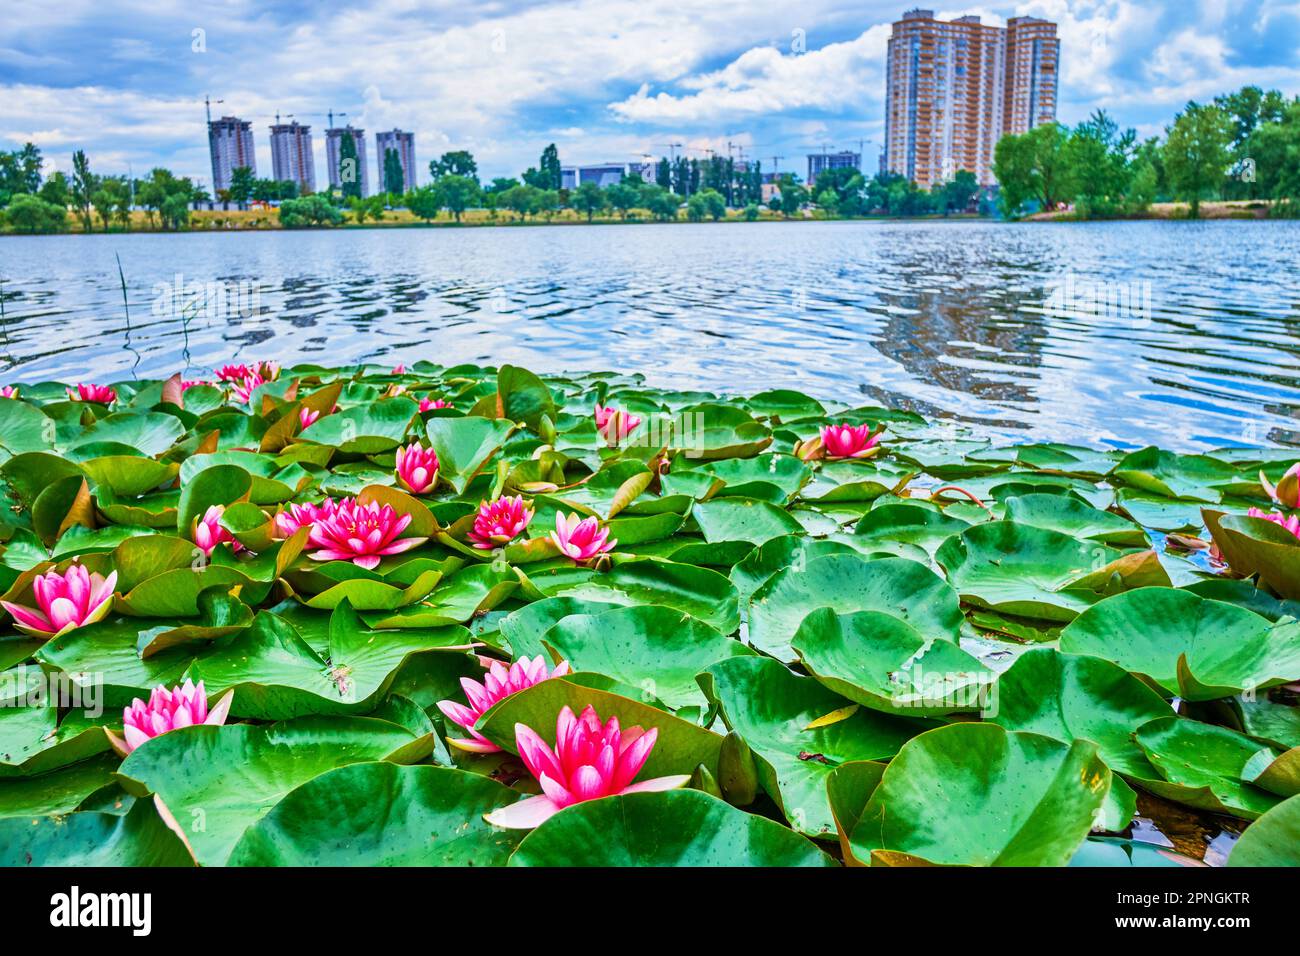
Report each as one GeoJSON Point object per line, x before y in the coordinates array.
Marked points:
{"type": "Point", "coordinates": [1210, 209]}
{"type": "Point", "coordinates": [268, 219]}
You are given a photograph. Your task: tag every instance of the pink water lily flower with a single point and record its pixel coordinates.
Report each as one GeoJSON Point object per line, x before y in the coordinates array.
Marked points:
{"type": "Point", "coordinates": [189, 383]}
{"type": "Point", "coordinates": [399, 369]}
{"type": "Point", "coordinates": [498, 683]}
{"type": "Point", "coordinates": [9, 391]}
{"type": "Point", "coordinates": [93, 393]}
{"type": "Point", "coordinates": [428, 404]}
{"type": "Point", "coordinates": [207, 531]}
{"type": "Point", "coordinates": [848, 441]}
{"type": "Point", "coordinates": [267, 371]}
{"type": "Point", "coordinates": [581, 538]}
{"type": "Point", "coordinates": [417, 468]}
{"type": "Point", "coordinates": [589, 761]}
{"type": "Point", "coordinates": [75, 598]}
{"type": "Point", "coordinates": [183, 706]}
{"type": "Point", "coordinates": [307, 416]}
{"type": "Point", "coordinates": [615, 424]}
{"type": "Point", "coordinates": [499, 522]}
{"type": "Point", "coordinates": [362, 534]}
{"type": "Point", "coordinates": [1291, 524]}
{"type": "Point", "coordinates": [288, 522]}
{"type": "Point", "coordinates": [244, 388]}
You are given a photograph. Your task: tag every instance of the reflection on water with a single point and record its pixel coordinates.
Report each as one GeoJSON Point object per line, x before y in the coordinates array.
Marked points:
{"type": "Point", "coordinates": [1182, 334]}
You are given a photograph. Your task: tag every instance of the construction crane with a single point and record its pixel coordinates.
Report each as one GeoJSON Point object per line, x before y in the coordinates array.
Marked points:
{"type": "Point", "coordinates": [671, 146]}
{"type": "Point", "coordinates": [331, 114]}
{"type": "Point", "coordinates": [207, 104]}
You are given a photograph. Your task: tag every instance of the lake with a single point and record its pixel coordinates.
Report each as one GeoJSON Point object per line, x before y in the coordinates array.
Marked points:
{"type": "Point", "coordinates": [1185, 335]}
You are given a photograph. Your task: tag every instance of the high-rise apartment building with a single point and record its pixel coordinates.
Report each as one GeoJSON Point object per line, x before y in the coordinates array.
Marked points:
{"type": "Point", "coordinates": [404, 144]}
{"type": "Point", "coordinates": [359, 173]}
{"type": "Point", "coordinates": [818, 163]}
{"type": "Point", "coordinates": [954, 88]}
{"type": "Point", "coordinates": [291, 155]}
{"type": "Point", "coordinates": [230, 141]}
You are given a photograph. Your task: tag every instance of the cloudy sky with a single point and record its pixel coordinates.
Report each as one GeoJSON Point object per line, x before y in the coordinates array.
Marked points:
{"type": "Point", "coordinates": [604, 79]}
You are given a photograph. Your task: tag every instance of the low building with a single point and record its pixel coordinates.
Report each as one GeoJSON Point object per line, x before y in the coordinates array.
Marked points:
{"type": "Point", "coordinates": [819, 163]}
{"type": "Point", "coordinates": [602, 174]}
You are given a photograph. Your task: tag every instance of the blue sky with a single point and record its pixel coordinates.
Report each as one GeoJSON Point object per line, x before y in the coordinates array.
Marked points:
{"type": "Point", "coordinates": [604, 79]}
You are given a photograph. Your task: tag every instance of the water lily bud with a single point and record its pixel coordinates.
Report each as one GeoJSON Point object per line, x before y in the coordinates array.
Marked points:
{"type": "Point", "coordinates": [737, 774]}
{"type": "Point", "coordinates": [701, 779]}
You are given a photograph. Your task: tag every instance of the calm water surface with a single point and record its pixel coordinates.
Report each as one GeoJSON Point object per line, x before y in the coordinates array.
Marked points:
{"type": "Point", "coordinates": [1180, 334]}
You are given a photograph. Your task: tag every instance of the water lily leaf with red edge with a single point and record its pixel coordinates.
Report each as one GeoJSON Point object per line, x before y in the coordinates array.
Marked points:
{"type": "Point", "coordinates": [673, 828]}
{"type": "Point", "coordinates": [1255, 546]}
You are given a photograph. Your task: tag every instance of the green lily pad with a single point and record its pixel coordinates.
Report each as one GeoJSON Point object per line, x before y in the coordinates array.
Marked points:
{"type": "Point", "coordinates": [1209, 766]}
{"type": "Point", "coordinates": [799, 732]}
{"type": "Point", "coordinates": [1192, 647]}
{"type": "Point", "coordinates": [136, 838]}
{"type": "Point", "coordinates": [881, 662]}
{"type": "Point", "coordinates": [1023, 570]}
{"type": "Point", "coordinates": [1006, 799]}
{"type": "Point", "coordinates": [658, 649]}
{"type": "Point", "coordinates": [674, 828]}
{"type": "Point", "coordinates": [382, 814]}
{"type": "Point", "coordinates": [1272, 840]}
{"type": "Point", "coordinates": [218, 781]}
{"type": "Point", "coordinates": [848, 582]}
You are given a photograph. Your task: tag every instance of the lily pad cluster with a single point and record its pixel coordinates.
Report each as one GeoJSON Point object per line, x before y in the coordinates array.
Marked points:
{"type": "Point", "coordinates": [478, 616]}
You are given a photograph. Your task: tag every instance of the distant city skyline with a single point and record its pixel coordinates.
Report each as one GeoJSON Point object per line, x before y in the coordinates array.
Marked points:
{"type": "Point", "coordinates": [606, 80]}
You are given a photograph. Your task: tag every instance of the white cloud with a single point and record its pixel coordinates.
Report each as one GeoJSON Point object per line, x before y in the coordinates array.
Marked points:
{"type": "Point", "coordinates": [765, 80]}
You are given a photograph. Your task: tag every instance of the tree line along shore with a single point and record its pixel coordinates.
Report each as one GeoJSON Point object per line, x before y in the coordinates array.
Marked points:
{"type": "Point", "coordinates": [1237, 157]}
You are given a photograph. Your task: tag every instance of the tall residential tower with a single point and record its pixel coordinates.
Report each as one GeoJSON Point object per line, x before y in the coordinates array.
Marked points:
{"type": "Point", "coordinates": [291, 155]}
{"type": "Point", "coordinates": [954, 88]}
{"type": "Point", "coordinates": [359, 173]}
{"type": "Point", "coordinates": [404, 144]}
{"type": "Point", "coordinates": [230, 140]}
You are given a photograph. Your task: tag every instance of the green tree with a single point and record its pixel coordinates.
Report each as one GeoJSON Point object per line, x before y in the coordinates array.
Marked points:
{"type": "Point", "coordinates": [309, 211]}
{"type": "Point", "coordinates": [959, 191]}
{"type": "Point", "coordinates": [57, 190]}
{"type": "Point", "coordinates": [459, 162]}
{"type": "Point", "coordinates": [715, 205]}
{"type": "Point", "coordinates": [549, 167]}
{"type": "Point", "coordinates": [751, 212]}
{"type": "Point", "coordinates": [1196, 153]}
{"type": "Point", "coordinates": [697, 210]}
{"type": "Point", "coordinates": [458, 193]}
{"type": "Point", "coordinates": [241, 184]}
{"type": "Point", "coordinates": [547, 203]}
{"type": "Point", "coordinates": [661, 203]}
{"type": "Point", "coordinates": [349, 170]}
{"type": "Point", "coordinates": [394, 181]}
{"type": "Point", "coordinates": [112, 201]}
{"type": "Point", "coordinates": [20, 172]}
{"type": "Point", "coordinates": [521, 200]}
{"type": "Point", "coordinates": [1033, 167]}
{"type": "Point", "coordinates": [623, 197]}
{"type": "Point", "coordinates": [83, 187]}
{"type": "Point", "coordinates": [424, 202]}
{"type": "Point", "coordinates": [793, 196]}
{"type": "Point", "coordinates": [588, 199]}
{"type": "Point", "coordinates": [26, 213]}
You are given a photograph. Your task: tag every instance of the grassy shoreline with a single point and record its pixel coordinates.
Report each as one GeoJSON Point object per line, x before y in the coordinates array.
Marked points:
{"type": "Point", "coordinates": [268, 220]}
